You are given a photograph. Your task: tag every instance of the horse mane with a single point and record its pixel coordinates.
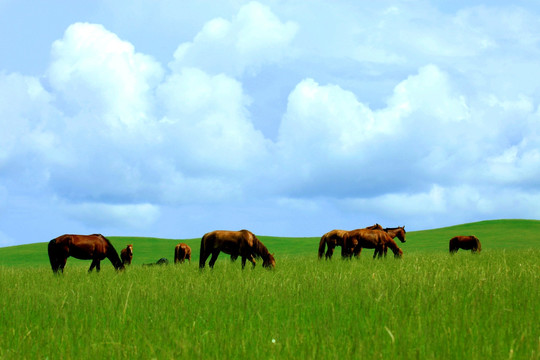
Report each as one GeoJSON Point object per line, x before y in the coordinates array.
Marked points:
{"type": "Point", "coordinates": [261, 251]}
{"type": "Point", "coordinates": [394, 228]}
{"type": "Point", "coordinates": [478, 244]}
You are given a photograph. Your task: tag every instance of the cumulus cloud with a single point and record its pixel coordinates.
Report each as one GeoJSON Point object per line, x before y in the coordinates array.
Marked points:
{"type": "Point", "coordinates": [253, 38]}
{"type": "Point", "coordinates": [98, 74]}
{"type": "Point", "coordinates": [207, 119]}
{"type": "Point", "coordinates": [382, 116]}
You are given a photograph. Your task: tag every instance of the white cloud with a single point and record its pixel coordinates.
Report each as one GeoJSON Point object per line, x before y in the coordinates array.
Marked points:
{"type": "Point", "coordinates": [207, 124]}
{"type": "Point", "coordinates": [102, 76]}
{"type": "Point", "coordinates": [137, 216]}
{"type": "Point", "coordinates": [253, 38]}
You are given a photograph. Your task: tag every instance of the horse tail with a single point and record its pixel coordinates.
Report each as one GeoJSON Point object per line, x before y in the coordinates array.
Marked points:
{"type": "Point", "coordinates": [322, 245]}
{"type": "Point", "coordinates": [452, 245]}
{"type": "Point", "coordinates": [53, 257]}
{"type": "Point", "coordinates": [344, 249]}
{"type": "Point", "coordinates": [202, 254]}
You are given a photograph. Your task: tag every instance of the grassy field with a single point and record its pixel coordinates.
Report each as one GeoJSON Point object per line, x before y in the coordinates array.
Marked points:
{"type": "Point", "coordinates": [429, 305]}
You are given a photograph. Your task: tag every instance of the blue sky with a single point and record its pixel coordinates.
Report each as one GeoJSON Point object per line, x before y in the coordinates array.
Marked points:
{"type": "Point", "coordinates": [288, 118]}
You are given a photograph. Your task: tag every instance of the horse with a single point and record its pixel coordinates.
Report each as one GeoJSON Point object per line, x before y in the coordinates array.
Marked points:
{"type": "Point", "coordinates": [466, 243]}
{"type": "Point", "coordinates": [335, 238]}
{"type": "Point", "coordinates": [235, 243]}
{"type": "Point", "coordinates": [182, 252]}
{"type": "Point", "coordinates": [398, 232]}
{"type": "Point", "coordinates": [94, 247]}
{"type": "Point", "coordinates": [162, 261]}
{"type": "Point", "coordinates": [126, 255]}
{"type": "Point", "coordinates": [369, 239]}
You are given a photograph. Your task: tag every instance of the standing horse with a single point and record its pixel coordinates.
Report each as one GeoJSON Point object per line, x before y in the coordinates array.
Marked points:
{"type": "Point", "coordinates": [182, 252]}
{"type": "Point", "coordinates": [466, 243]}
{"type": "Point", "coordinates": [235, 243]}
{"type": "Point", "coordinates": [335, 238]}
{"type": "Point", "coordinates": [85, 247]}
{"type": "Point", "coordinates": [398, 232]}
{"type": "Point", "coordinates": [369, 239]}
{"type": "Point", "coordinates": [126, 255]}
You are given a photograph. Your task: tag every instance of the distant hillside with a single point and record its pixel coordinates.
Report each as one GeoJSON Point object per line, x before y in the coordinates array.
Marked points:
{"type": "Point", "coordinates": [493, 234]}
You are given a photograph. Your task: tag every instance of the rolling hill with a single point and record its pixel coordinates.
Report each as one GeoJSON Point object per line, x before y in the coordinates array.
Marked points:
{"type": "Point", "coordinates": [494, 234]}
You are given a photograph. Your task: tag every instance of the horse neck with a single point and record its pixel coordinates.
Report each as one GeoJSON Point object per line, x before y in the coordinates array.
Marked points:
{"type": "Point", "coordinates": [393, 246]}
{"type": "Point", "coordinates": [112, 255]}
{"type": "Point", "coordinates": [393, 232]}
{"type": "Point", "coordinates": [261, 250]}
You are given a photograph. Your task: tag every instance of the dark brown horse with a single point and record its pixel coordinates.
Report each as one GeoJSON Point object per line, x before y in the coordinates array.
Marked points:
{"type": "Point", "coordinates": [182, 252]}
{"type": "Point", "coordinates": [236, 243]}
{"type": "Point", "coordinates": [126, 255]}
{"type": "Point", "coordinates": [398, 232]}
{"type": "Point", "coordinates": [85, 247]}
{"type": "Point", "coordinates": [369, 239]}
{"type": "Point", "coordinates": [335, 238]}
{"type": "Point", "coordinates": [466, 243]}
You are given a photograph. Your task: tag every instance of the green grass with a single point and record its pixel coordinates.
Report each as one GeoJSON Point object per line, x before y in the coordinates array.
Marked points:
{"type": "Point", "coordinates": [429, 305]}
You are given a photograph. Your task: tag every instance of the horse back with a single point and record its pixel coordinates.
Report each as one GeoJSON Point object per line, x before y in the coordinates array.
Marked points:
{"type": "Point", "coordinates": [84, 247]}
{"type": "Point", "coordinates": [466, 242]}
{"type": "Point", "coordinates": [229, 242]}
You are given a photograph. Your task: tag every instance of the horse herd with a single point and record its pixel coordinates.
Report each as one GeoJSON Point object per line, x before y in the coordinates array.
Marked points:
{"type": "Point", "coordinates": [241, 243]}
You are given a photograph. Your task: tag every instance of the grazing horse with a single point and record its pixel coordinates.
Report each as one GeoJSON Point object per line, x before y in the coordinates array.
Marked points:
{"type": "Point", "coordinates": [466, 243]}
{"type": "Point", "coordinates": [182, 252]}
{"type": "Point", "coordinates": [369, 239]}
{"type": "Point", "coordinates": [127, 255]}
{"type": "Point", "coordinates": [398, 232]}
{"type": "Point", "coordinates": [85, 247]}
{"type": "Point", "coordinates": [235, 243]}
{"type": "Point", "coordinates": [335, 238]}
{"type": "Point", "coordinates": [162, 261]}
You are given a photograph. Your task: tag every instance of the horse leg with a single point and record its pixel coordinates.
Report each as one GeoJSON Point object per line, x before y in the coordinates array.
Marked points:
{"type": "Point", "coordinates": [204, 255]}
{"type": "Point", "coordinates": [95, 263]}
{"type": "Point", "coordinates": [252, 260]}
{"type": "Point", "coordinates": [378, 251]}
{"type": "Point", "coordinates": [329, 252]}
{"type": "Point", "coordinates": [213, 258]}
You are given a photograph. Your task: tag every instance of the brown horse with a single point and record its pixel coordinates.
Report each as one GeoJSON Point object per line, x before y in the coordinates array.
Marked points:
{"type": "Point", "coordinates": [335, 238]}
{"type": "Point", "coordinates": [466, 243]}
{"type": "Point", "coordinates": [126, 255]}
{"type": "Point", "coordinates": [182, 252]}
{"type": "Point", "coordinates": [85, 247]}
{"type": "Point", "coordinates": [398, 232]}
{"type": "Point", "coordinates": [369, 239]}
{"type": "Point", "coordinates": [236, 243]}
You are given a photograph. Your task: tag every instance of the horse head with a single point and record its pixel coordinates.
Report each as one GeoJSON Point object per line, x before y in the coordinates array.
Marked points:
{"type": "Point", "coordinates": [269, 261]}
{"type": "Point", "coordinates": [401, 233]}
